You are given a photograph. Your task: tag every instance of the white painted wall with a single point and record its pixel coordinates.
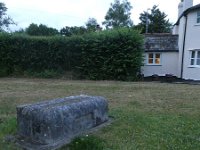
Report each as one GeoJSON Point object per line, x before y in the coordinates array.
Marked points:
{"type": "Point", "coordinates": [192, 42]}
{"type": "Point", "coordinates": [180, 9]}
{"type": "Point", "coordinates": [169, 65]}
{"type": "Point", "coordinates": [187, 4]}
{"type": "Point", "coordinates": [181, 31]}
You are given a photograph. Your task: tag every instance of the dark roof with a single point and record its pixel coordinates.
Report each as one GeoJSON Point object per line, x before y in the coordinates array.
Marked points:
{"type": "Point", "coordinates": [191, 9]}
{"type": "Point", "coordinates": [161, 42]}
{"type": "Point", "coordinates": [187, 11]}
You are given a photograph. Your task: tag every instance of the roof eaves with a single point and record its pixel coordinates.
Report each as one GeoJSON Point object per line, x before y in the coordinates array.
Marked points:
{"type": "Point", "coordinates": [187, 11]}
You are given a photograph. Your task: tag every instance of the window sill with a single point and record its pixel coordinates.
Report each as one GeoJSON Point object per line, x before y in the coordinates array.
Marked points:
{"type": "Point", "coordinates": [197, 24]}
{"type": "Point", "coordinates": [153, 65]}
{"type": "Point", "coordinates": [194, 66]}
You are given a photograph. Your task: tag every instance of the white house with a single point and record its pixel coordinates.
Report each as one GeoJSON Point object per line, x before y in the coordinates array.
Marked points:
{"type": "Point", "coordinates": [188, 30]}
{"type": "Point", "coordinates": [161, 54]}
{"type": "Point", "coordinates": [183, 59]}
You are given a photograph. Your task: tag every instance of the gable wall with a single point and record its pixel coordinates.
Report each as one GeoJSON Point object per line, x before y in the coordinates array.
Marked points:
{"type": "Point", "coordinates": [192, 42]}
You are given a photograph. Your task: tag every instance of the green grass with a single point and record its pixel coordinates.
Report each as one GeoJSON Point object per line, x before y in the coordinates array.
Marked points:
{"type": "Point", "coordinates": [8, 126]}
{"type": "Point", "coordinates": [87, 142]}
{"type": "Point", "coordinates": [147, 116]}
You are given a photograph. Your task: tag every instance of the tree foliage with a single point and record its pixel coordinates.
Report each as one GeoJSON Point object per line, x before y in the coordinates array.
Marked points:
{"type": "Point", "coordinates": [118, 15]}
{"type": "Point", "coordinates": [91, 25]}
{"type": "Point", "coordinates": [5, 20]}
{"type": "Point", "coordinates": [41, 30]}
{"type": "Point", "coordinates": [69, 31]}
{"type": "Point", "coordinates": [157, 21]}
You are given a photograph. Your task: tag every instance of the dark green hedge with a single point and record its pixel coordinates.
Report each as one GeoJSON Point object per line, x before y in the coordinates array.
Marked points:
{"type": "Point", "coordinates": [114, 54]}
{"type": "Point", "coordinates": [39, 53]}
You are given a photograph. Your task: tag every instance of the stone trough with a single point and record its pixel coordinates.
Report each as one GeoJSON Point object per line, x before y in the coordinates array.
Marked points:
{"type": "Point", "coordinates": [50, 124]}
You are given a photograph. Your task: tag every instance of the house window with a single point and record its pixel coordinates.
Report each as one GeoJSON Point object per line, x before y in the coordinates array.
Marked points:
{"type": "Point", "coordinates": [198, 17]}
{"type": "Point", "coordinates": [153, 58]}
{"type": "Point", "coordinates": [195, 58]}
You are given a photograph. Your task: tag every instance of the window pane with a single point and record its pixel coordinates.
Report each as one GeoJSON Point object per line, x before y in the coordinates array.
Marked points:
{"type": "Point", "coordinates": [198, 61]}
{"type": "Point", "coordinates": [150, 61]}
{"type": "Point", "coordinates": [151, 55]}
{"type": "Point", "coordinates": [157, 61]}
{"type": "Point", "coordinates": [157, 55]}
{"type": "Point", "coordinates": [198, 54]}
{"type": "Point", "coordinates": [192, 62]}
{"type": "Point", "coordinates": [198, 20]}
{"type": "Point", "coordinates": [198, 17]}
{"type": "Point", "coordinates": [193, 54]}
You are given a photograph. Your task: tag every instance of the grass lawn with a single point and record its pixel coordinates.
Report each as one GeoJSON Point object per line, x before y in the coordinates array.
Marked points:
{"type": "Point", "coordinates": [146, 115]}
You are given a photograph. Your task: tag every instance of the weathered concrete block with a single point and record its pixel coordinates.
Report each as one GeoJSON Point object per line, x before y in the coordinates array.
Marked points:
{"type": "Point", "coordinates": [55, 122]}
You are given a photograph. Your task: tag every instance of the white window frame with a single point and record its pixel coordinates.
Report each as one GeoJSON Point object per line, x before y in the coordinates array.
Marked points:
{"type": "Point", "coordinates": [154, 59]}
{"type": "Point", "coordinates": [195, 59]}
{"type": "Point", "coordinates": [198, 17]}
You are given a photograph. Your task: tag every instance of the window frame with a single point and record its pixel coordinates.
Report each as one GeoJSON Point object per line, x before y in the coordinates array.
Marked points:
{"type": "Point", "coordinates": [153, 59]}
{"type": "Point", "coordinates": [198, 17]}
{"type": "Point", "coordinates": [194, 58]}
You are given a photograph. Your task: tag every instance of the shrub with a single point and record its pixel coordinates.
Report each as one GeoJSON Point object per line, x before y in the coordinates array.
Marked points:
{"type": "Point", "coordinates": [106, 55]}
{"type": "Point", "coordinates": [39, 53]}
{"type": "Point", "coordinates": [3, 71]}
{"type": "Point", "coordinates": [43, 74]}
{"type": "Point", "coordinates": [112, 54]}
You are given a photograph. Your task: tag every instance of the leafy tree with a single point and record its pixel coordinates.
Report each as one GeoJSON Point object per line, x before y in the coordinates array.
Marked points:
{"type": "Point", "coordinates": [41, 30]}
{"type": "Point", "coordinates": [66, 31]}
{"type": "Point", "coordinates": [91, 24]}
{"type": "Point", "coordinates": [157, 22]}
{"type": "Point", "coordinates": [32, 29]}
{"type": "Point", "coordinates": [69, 31]}
{"type": "Point", "coordinates": [48, 31]}
{"type": "Point", "coordinates": [20, 31]}
{"type": "Point", "coordinates": [78, 30]}
{"type": "Point", "coordinates": [118, 15]}
{"type": "Point", "coordinates": [5, 20]}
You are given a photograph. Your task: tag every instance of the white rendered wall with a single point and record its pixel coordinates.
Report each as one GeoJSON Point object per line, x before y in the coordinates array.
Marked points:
{"type": "Point", "coordinates": [181, 31]}
{"type": "Point", "coordinates": [180, 9]}
{"type": "Point", "coordinates": [187, 4]}
{"type": "Point", "coordinates": [175, 30]}
{"type": "Point", "coordinates": [192, 42]}
{"type": "Point", "coordinates": [169, 65]}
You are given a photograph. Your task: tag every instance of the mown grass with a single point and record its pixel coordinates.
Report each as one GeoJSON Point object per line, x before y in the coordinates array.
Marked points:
{"type": "Point", "coordinates": [146, 115]}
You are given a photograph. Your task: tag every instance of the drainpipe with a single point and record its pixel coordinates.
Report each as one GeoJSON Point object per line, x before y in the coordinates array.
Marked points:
{"type": "Point", "coordinates": [183, 50]}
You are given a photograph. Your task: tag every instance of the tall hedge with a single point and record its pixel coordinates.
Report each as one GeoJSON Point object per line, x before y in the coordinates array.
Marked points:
{"type": "Point", "coordinates": [39, 53]}
{"type": "Point", "coordinates": [112, 54]}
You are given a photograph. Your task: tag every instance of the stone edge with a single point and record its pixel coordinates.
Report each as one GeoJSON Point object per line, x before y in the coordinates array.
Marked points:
{"type": "Point", "coordinates": [30, 146]}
